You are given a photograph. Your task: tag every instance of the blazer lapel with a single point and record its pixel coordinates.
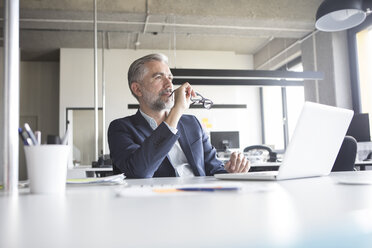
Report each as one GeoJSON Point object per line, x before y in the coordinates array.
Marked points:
{"type": "Point", "coordinates": [142, 125]}
{"type": "Point", "coordinates": [185, 145]}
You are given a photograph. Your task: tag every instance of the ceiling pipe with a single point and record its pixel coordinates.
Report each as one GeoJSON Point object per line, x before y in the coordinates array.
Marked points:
{"type": "Point", "coordinates": [287, 49]}
{"type": "Point", "coordinates": [264, 44]}
{"type": "Point", "coordinates": [108, 40]}
{"type": "Point", "coordinates": [147, 17]}
{"type": "Point", "coordinates": [138, 43]}
{"type": "Point", "coordinates": [180, 25]}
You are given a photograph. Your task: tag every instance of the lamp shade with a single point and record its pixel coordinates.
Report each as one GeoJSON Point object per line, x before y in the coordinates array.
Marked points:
{"type": "Point", "coordinates": [337, 15]}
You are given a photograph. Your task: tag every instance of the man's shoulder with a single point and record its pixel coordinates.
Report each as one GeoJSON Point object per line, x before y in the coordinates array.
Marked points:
{"type": "Point", "coordinates": [127, 120]}
{"type": "Point", "coordinates": [123, 119]}
{"type": "Point", "coordinates": [189, 119]}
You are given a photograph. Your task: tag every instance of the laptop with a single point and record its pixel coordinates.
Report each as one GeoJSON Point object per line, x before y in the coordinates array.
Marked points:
{"type": "Point", "coordinates": [313, 148]}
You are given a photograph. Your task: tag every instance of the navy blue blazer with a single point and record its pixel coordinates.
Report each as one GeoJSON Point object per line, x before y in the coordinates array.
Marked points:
{"type": "Point", "coordinates": [138, 151]}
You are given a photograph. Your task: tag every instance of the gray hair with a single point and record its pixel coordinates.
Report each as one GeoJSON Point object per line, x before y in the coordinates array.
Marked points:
{"type": "Point", "coordinates": [137, 69]}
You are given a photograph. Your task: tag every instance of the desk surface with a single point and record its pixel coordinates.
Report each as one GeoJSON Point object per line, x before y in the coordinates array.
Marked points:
{"type": "Point", "coordinates": [368, 162]}
{"type": "Point", "coordinates": [314, 212]}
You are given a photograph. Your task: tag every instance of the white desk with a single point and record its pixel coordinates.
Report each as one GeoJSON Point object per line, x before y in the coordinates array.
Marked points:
{"type": "Point", "coordinates": [315, 212]}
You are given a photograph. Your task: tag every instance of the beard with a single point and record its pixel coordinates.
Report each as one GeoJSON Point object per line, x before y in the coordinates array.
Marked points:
{"type": "Point", "coordinates": [157, 102]}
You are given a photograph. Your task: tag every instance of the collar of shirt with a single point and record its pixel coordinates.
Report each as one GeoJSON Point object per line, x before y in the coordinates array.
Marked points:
{"type": "Point", "coordinates": [153, 123]}
{"type": "Point", "coordinates": [150, 120]}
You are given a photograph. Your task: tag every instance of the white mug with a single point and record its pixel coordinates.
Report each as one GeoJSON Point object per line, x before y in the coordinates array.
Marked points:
{"type": "Point", "coordinates": [47, 168]}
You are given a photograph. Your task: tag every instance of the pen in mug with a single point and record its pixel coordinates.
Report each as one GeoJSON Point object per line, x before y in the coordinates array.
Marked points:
{"type": "Point", "coordinates": [29, 141]}
{"type": "Point", "coordinates": [31, 134]}
{"type": "Point", "coordinates": [24, 137]}
{"type": "Point", "coordinates": [65, 138]}
{"type": "Point", "coordinates": [38, 137]}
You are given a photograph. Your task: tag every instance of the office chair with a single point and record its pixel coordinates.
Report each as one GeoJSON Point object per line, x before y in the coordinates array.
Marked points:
{"type": "Point", "coordinates": [345, 160]}
{"type": "Point", "coordinates": [261, 149]}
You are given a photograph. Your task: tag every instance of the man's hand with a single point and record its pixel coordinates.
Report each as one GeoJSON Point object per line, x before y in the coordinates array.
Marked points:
{"type": "Point", "coordinates": [238, 163]}
{"type": "Point", "coordinates": [182, 97]}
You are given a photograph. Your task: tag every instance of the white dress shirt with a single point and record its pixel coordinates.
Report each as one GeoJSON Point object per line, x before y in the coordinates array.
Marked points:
{"type": "Point", "coordinates": [176, 155]}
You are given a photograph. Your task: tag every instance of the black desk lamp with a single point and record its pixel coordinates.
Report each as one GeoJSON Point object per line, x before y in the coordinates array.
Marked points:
{"type": "Point", "coordinates": [337, 15]}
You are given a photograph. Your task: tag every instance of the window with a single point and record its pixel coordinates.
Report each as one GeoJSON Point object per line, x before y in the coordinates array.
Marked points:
{"type": "Point", "coordinates": [295, 100]}
{"type": "Point", "coordinates": [273, 117]}
{"type": "Point", "coordinates": [360, 53]}
{"type": "Point", "coordinates": [364, 48]}
{"type": "Point", "coordinates": [281, 108]}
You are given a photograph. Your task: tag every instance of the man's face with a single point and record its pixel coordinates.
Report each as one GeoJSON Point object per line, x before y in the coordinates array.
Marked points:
{"type": "Point", "coordinates": [157, 87]}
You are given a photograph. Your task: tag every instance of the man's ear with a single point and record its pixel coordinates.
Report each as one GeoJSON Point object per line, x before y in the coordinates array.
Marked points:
{"type": "Point", "coordinates": [136, 89]}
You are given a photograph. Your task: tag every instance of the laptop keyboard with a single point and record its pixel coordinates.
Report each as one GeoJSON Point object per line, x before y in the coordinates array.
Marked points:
{"type": "Point", "coordinates": [264, 173]}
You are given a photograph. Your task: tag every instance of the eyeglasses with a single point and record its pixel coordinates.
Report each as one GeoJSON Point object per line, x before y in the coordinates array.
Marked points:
{"type": "Point", "coordinates": [199, 99]}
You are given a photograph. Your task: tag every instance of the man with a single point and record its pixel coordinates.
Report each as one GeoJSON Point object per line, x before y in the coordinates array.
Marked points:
{"type": "Point", "coordinates": [159, 140]}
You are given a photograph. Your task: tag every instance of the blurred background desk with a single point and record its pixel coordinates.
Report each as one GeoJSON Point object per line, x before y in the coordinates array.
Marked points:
{"type": "Point", "coordinates": [82, 171]}
{"type": "Point", "coordinates": [363, 164]}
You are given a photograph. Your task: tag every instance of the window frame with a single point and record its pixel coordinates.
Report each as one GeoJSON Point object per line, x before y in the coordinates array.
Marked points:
{"type": "Point", "coordinates": [289, 64]}
{"type": "Point", "coordinates": [353, 59]}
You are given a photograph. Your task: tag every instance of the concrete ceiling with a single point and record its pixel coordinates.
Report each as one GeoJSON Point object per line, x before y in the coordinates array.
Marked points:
{"type": "Point", "coordinates": [242, 26]}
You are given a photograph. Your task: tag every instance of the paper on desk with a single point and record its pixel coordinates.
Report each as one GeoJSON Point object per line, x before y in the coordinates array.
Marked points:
{"type": "Point", "coordinates": [176, 189]}
{"type": "Point", "coordinates": [116, 179]}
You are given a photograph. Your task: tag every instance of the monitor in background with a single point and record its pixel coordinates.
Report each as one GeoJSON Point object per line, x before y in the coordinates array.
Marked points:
{"type": "Point", "coordinates": [224, 141]}
{"type": "Point", "coordinates": [359, 128]}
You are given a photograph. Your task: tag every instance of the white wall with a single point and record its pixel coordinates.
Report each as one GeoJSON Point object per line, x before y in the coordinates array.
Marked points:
{"type": "Point", "coordinates": [77, 87]}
